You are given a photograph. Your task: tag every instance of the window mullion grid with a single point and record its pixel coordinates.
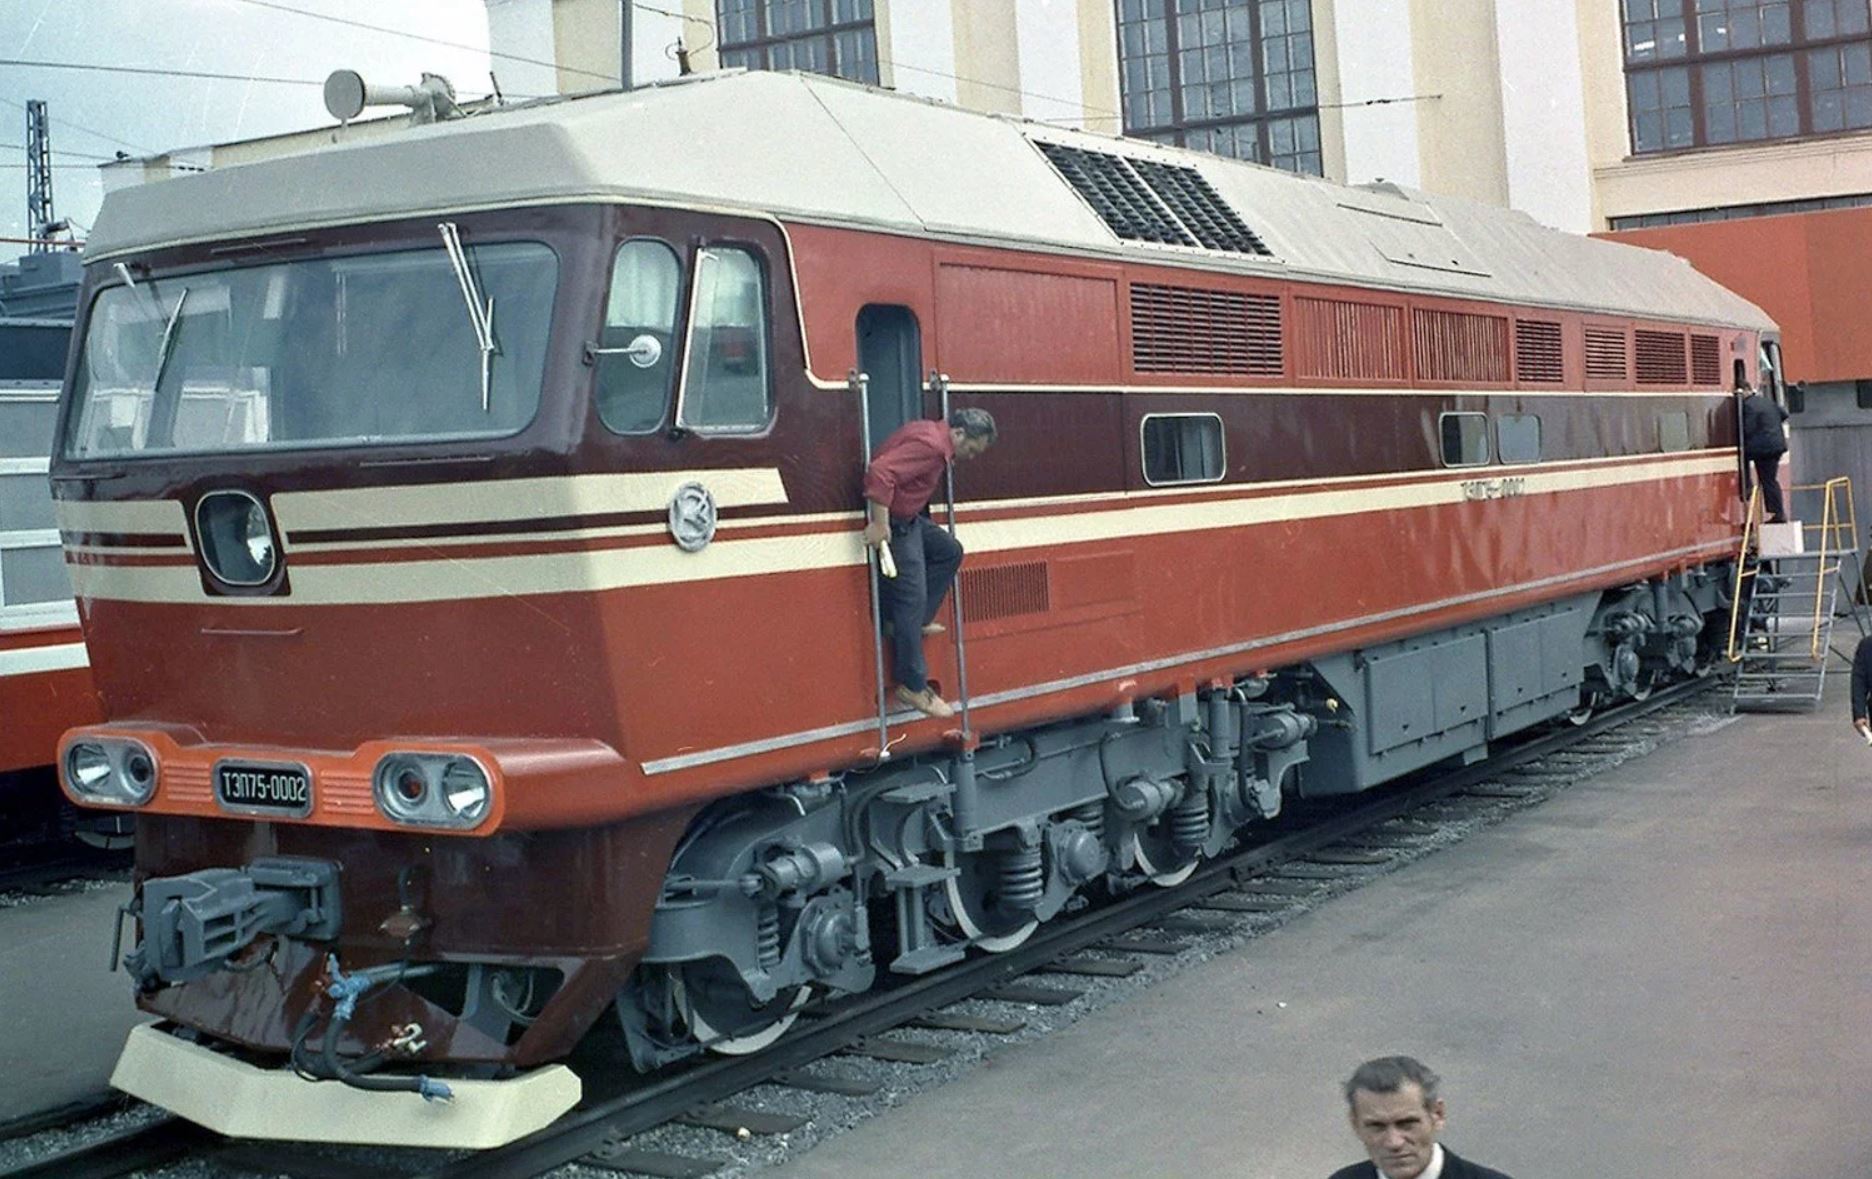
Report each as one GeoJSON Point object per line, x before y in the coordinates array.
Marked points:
{"type": "Point", "coordinates": [1258, 54]}
{"type": "Point", "coordinates": [1173, 47]}
{"type": "Point", "coordinates": [1693, 54]}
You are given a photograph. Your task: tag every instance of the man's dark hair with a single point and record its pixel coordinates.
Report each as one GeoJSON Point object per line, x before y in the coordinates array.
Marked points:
{"type": "Point", "coordinates": [974, 423]}
{"type": "Point", "coordinates": [1388, 1074]}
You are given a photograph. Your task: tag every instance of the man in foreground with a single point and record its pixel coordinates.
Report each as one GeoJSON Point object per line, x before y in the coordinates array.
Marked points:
{"type": "Point", "coordinates": [898, 486]}
{"type": "Point", "coordinates": [1397, 1114]}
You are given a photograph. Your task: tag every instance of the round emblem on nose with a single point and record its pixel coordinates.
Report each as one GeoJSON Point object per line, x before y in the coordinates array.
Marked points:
{"type": "Point", "coordinates": [692, 517]}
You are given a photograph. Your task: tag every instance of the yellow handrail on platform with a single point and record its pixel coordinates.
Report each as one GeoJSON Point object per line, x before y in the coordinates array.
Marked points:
{"type": "Point", "coordinates": [1838, 533]}
{"type": "Point", "coordinates": [1744, 571]}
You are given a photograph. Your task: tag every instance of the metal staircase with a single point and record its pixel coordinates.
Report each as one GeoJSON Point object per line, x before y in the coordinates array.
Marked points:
{"type": "Point", "coordinates": [1788, 588]}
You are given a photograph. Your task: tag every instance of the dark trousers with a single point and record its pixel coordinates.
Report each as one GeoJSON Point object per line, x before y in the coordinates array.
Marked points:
{"type": "Point", "coordinates": [927, 560]}
{"type": "Point", "coordinates": [1767, 473]}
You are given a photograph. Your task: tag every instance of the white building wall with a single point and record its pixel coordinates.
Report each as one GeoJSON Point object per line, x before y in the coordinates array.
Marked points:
{"type": "Point", "coordinates": [1543, 101]}
{"type": "Point", "coordinates": [1052, 81]}
{"type": "Point", "coordinates": [916, 39]}
{"type": "Point", "coordinates": [524, 29]}
{"type": "Point", "coordinates": [1373, 38]}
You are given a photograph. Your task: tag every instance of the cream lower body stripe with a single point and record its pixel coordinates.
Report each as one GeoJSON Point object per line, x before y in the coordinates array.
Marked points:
{"type": "Point", "coordinates": [850, 728]}
{"type": "Point", "coordinates": [35, 660]}
{"type": "Point", "coordinates": [442, 579]}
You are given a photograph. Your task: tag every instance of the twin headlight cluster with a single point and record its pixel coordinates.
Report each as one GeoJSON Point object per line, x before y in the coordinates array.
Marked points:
{"type": "Point", "coordinates": [114, 773]}
{"type": "Point", "coordinates": [432, 789]}
{"type": "Point", "coordinates": [443, 790]}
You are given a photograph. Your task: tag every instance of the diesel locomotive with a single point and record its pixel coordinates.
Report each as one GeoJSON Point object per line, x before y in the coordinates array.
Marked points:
{"type": "Point", "coordinates": [465, 524]}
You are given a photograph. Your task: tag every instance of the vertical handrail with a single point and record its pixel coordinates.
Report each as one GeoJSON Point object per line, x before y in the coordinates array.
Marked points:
{"type": "Point", "coordinates": [1744, 570]}
{"type": "Point", "coordinates": [860, 383]}
{"type": "Point", "coordinates": [1820, 579]}
{"type": "Point", "coordinates": [940, 383]}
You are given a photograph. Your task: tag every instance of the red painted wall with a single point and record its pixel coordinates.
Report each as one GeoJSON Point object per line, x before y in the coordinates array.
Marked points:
{"type": "Point", "coordinates": [1811, 272]}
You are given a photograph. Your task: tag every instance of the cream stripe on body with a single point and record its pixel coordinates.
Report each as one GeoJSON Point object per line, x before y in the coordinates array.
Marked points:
{"type": "Point", "coordinates": [518, 499]}
{"type": "Point", "coordinates": [454, 579]}
{"type": "Point", "coordinates": [33, 660]}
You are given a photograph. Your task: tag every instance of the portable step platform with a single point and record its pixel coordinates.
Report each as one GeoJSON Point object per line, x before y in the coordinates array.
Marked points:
{"type": "Point", "coordinates": [1792, 582]}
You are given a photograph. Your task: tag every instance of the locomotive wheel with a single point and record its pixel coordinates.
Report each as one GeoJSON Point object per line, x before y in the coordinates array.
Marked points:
{"type": "Point", "coordinates": [723, 1016]}
{"type": "Point", "coordinates": [1647, 680]}
{"type": "Point", "coordinates": [1589, 703]}
{"type": "Point", "coordinates": [970, 897]}
{"type": "Point", "coordinates": [1157, 859]}
{"type": "Point", "coordinates": [116, 837]}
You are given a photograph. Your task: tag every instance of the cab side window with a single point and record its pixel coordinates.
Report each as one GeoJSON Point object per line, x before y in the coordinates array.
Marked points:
{"type": "Point", "coordinates": [726, 384]}
{"type": "Point", "coordinates": [637, 359]}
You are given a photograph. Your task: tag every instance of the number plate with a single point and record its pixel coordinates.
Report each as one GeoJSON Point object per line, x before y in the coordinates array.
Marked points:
{"type": "Point", "coordinates": [264, 789]}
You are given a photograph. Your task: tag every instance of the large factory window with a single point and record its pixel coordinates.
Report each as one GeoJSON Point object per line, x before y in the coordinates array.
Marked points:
{"type": "Point", "coordinates": [636, 356]}
{"type": "Point", "coordinates": [1465, 439]}
{"type": "Point", "coordinates": [1700, 73]}
{"type": "Point", "coordinates": [1182, 448]}
{"type": "Point", "coordinates": [725, 367]}
{"type": "Point", "coordinates": [1234, 77]}
{"type": "Point", "coordinates": [1517, 438]}
{"type": "Point", "coordinates": [837, 37]}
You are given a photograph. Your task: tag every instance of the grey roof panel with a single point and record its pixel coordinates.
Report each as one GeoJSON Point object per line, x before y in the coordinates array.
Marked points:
{"type": "Point", "coordinates": [817, 149]}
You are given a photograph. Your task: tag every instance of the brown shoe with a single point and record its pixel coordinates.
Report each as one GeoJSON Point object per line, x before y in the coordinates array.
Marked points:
{"type": "Point", "coordinates": [934, 628]}
{"type": "Point", "coordinates": [926, 702]}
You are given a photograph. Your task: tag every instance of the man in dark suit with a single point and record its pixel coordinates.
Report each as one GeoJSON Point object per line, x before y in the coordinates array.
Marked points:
{"type": "Point", "coordinates": [1397, 1114]}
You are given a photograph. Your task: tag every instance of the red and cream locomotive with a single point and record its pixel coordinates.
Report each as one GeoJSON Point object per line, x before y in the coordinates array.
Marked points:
{"type": "Point", "coordinates": [466, 528]}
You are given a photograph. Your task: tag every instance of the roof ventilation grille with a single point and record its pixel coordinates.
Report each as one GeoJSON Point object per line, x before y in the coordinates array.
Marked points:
{"type": "Point", "coordinates": [1144, 201]}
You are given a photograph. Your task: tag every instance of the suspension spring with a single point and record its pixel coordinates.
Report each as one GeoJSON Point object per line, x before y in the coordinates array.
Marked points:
{"type": "Point", "coordinates": [767, 936]}
{"type": "Point", "coordinates": [1189, 820]}
{"type": "Point", "coordinates": [1021, 880]}
{"type": "Point", "coordinates": [1091, 816]}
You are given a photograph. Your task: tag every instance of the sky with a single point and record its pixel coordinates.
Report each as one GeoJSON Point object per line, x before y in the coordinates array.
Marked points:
{"type": "Point", "coordinates": [96, 113]}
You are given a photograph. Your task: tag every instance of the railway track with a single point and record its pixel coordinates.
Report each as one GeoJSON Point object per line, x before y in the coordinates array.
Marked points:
{"type": "Point", "coordinates": [46, 872]}
{"type": "Point", "coordinates": [1315, 851]}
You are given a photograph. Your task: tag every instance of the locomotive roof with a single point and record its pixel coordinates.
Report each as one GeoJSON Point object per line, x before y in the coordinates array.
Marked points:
{"type": "Point", "coordinates": [809, 148]}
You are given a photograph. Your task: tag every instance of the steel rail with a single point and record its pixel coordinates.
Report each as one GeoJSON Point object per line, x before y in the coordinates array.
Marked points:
{"type": "Point", "coordinates": [149, 1145]}
{"type": "Point", "coordinates": [585, 1130]}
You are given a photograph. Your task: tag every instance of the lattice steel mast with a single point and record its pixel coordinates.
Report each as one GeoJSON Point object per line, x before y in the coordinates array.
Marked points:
{"type": "Point", "coordinates": [39, 217]}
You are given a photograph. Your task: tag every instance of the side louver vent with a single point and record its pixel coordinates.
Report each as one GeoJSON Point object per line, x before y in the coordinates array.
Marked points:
{"type": "Point", "coordinates": [1706, 360]}
{"type": "Point", "coordinates": [1457, 346]}
{"type": "Point", "coordinates": [1605, 355]}
{"type": "Point", "coordinates": [1003, 591]}
{"type": "Point", "coordinates": [1661, 358]}
{"type": "Point", "coordinates": [1144, 201]}
{"type": "Point", "coordinates": [1344, 341]}
{"type": "Point", "coordinates": [1539, 358]}
{"type": "Point", "coordinates": [1185, 330]}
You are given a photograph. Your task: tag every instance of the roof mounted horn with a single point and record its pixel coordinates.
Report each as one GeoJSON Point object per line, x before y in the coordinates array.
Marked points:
{"type": "Point", "coordinates": [347, 94]}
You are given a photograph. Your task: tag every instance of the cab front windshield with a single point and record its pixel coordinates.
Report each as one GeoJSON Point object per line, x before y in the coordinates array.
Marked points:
{"type": "Point", "coordinates": [331, 351]}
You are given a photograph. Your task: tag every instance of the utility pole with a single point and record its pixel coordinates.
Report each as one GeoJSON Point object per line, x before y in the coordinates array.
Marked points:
{"type": "Point", "coordinates": [39, 216]}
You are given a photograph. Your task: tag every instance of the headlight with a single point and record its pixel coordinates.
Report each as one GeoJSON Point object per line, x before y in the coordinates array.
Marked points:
{"type": "Point", "coordinates": [433, 790]}
{"type": "Point", "coordinates": [118, 773]}
{"type": "Point", "coordinates": [236, 539]}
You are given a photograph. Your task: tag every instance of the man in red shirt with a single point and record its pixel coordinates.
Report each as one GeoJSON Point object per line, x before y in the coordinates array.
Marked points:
{"type": "Point", "coordinates": [898, 486]}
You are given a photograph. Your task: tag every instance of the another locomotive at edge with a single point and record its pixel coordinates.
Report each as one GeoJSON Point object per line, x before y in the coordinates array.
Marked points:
{"type": "Point", "coordinates": [465, 525]}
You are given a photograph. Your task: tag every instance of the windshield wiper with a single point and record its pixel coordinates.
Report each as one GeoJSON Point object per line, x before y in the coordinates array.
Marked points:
{"type": "Point", "coordinates": [165, 349]}
{"type": "Point", "coordinates": [480, 315]}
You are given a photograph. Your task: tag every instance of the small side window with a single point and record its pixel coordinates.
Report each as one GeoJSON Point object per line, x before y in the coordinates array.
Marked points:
{"type": "Point", "coordinates": [1673, 431]}
{"type": "Point", "coordinates": [1465, 439]}
{"type": "Point", "coordinates": [1517, 438]}
{"type": "Point", "coordinates": [725, 383]}
{"type": "Point", "coordinates": [1183, 448]}
{"type": "Point", "coordinates": [634, 381]}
